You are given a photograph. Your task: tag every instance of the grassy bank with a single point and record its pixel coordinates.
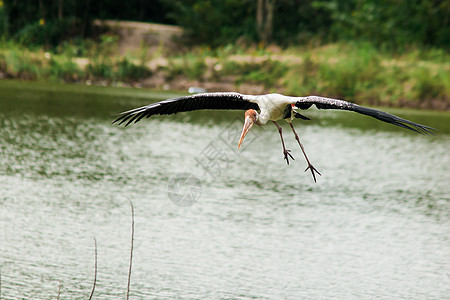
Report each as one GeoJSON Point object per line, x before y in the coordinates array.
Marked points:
{"type": "Point", "coordinates": [354, 71]}
{"type": "Point", "coordinates": [87, 62]}
{"type": "Point", "coordinates": [358, 72]}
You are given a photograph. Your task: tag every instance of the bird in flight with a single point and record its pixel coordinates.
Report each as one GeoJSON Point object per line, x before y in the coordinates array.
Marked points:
{"type": "Point", "coordinates": [271, 107]}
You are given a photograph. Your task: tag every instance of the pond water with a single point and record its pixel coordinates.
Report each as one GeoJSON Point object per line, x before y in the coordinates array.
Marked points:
{"type": "Point", "coordinates": [211, 221]}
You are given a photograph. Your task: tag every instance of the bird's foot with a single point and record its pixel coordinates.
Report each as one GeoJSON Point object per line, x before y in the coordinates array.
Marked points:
{"type": "Point", "coordinates": [287, 155]}
{"type": "Point", "coordinates": [312, 169]}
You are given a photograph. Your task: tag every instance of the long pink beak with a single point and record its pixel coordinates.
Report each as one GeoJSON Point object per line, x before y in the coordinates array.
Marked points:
{"type": "Point", "coordinates": [248, 124]}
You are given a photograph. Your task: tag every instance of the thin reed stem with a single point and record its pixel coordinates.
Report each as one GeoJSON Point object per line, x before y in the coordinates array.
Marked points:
{"type": "Point", "coordinates": [59, 290]}
{"type": "Point", "coordinates": [131, 249]}
{"type": "Point", "coordinates": [95, 270]}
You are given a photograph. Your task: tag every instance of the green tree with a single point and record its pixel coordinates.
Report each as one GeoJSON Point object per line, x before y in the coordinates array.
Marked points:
{"type": "Point", "coordinates": [264, 19]}
{"type": "Point", "coordinates": [391, 23]}
{"type": "Point", "coordinates": [214, 21]}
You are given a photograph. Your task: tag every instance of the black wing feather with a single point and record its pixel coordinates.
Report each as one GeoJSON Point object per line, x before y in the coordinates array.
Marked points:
{"type": "Point", "coordinates": [188, 103]}
{"type": "Point", "coordinates": [328, 103]}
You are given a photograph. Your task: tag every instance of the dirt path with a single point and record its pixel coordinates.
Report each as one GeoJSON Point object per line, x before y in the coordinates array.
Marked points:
{"type": "Point", "coordinates": [133, 36]}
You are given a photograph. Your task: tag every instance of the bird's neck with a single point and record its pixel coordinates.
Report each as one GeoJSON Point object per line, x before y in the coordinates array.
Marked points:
{"type": "Point", "coordinates": [262, 119]}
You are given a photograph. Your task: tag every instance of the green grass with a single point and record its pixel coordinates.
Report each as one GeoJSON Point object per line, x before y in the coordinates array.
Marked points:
{"type": "Point", "coordinates": [65, 70]}
{"type": "Point", "coordinates": [267, 73]}
{"type": "Point", "coordinates": [31, 64]}
{"type": "Point", "coordinates": [428, 85]}
{"type": "Point", "coordinates": [19, 63]}
{"type": "Point", "coordinates": [361, 73]}
{"type": "Point", "coordinates": [354, 71]}
{"type": "Point", "coordinates": [100, 68]}
{"type": "Point", "coordinates": [191, 65]}
{"type": "Point", "coordinates": [129, 71]}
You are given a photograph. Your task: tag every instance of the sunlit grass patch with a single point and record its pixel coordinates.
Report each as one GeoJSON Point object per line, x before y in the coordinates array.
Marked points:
{"type": "Point", "coordinates": [189, 65]}
{"type": "Point", "coordinates": [123, 69]}
{"type": "Point", "coordinates": [65, 70]}
{"type": "Point", "coordinates": [333, 71]}
{"type": "Point", "coordinates": [22, 64]}
{"type": "Point", "coordinates": [267, 72]}
{"type": "Point", "coordinates": [430, 85]}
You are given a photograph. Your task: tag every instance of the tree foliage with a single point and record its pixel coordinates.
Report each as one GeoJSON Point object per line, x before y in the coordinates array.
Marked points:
{"type": "Point", "coordinates": [214, 21]}
{"type": "Point", "coordinates": [394, 24]}
{"type": "Point", "coordinates": [389, 23]}
{"type": "Point", "coordinates": [38, 22]}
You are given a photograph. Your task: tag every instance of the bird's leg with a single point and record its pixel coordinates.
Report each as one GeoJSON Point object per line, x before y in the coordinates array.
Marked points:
{"type": "Point", "coordinates": [285, 152]}
{"type": "Point", "coordinates": [310, 166]}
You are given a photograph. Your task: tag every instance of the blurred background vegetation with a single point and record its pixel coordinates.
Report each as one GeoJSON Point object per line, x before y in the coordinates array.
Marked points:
{"type": "Point", "coordinates": [391, 24]}
{"type": "Point", "coordinates": [391, 52]}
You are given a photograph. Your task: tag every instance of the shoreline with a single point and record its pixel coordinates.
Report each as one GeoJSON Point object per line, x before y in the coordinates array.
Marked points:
{"type": "Point", "coordinates": [144, 91]}
{"type": "Point", "coordinates": [182, 85]}
{"type": "Point", "coordinates": [145, 55]}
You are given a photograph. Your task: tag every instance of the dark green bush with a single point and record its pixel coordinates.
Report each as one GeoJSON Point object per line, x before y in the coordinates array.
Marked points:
{"type": "Point", "coordinates": [102, 68]}
{"type": "Point", "coordinates": [66, 70]}
{"type": "Point", "coordinates": [128, 71]}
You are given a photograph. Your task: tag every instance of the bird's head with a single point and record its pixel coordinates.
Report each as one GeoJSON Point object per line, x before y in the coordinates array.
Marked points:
{"type": "Point", "coordinates": [251, 116]}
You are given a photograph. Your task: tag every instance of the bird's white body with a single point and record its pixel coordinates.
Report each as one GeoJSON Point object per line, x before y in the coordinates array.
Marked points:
{"type": "Point", "coordinates": [272, 106]}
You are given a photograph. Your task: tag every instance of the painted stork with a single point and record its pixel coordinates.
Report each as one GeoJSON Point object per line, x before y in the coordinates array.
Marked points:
{"type": "Point", "coordinates": [271, 107]}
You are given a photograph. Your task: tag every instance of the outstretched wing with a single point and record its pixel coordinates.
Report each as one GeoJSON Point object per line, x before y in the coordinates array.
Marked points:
{"type": "Point", "coordinates": [189, 103]}
{"type": "Point", "coordinates": [329, 103]}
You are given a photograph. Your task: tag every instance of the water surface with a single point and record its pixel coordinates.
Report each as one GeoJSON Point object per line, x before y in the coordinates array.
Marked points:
{"type": "Point", "coordinates": [375, 225]}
